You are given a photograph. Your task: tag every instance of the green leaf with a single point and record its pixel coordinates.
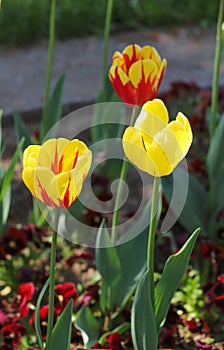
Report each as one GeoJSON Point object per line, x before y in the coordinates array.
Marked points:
{"type": "Point", "coordinates": [21, 131]}
{"type": "Point", "coordinates": [54, 109]}
{"type": "Point", "coordinates": [4, 209]}
{"type": "Point", "coordinates": [10, 171]}
{"type": "Point", "coordinates": [89, 326]}
{"type": "Point", "coordinates": [132, 269]}
{"type": "Point", "coordinates": [215, 160]}
{"type": "Point", "coordinates": [143, 323]}
{"type": "Point", "coordinates": [193, 214]}
{"type": "Point", "coordinates": [174, 269]}
{"type": "Point", "coordinates": [61, 334]}
{"type": "Point", "coordinates": [0, 131]}
{"type": "Point", "coordinates": [37, 312]}
{"type": "Point", "coordinates": [107, 260]}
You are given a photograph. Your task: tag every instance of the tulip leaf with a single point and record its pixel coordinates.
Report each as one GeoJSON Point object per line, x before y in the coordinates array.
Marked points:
{"type": "Point", "coordinates": [10, 171]}
{"type": "Point", "coordinates": [61, 334]}
{"type": "Point", "coordinates": [215, 160]}
{"type": "Point", "coordinates": [4, 208]}
{"type": "Point", "coordinates": [174, 269]}
{"type": "Point", "coordinates": [132, 269]}
{"type": "Point", "coordinates": [89, 326]}
{"type": "Point", "coordinates": [21, 131]}
{"type": "Point", "coordinates": [107, 260]}
{"type": "Point", "coordinates": [143, 323]}
{"type": "Point", "coordinates": [193, 214]}
{"type": "Point", "coordinates": [37, 311]}
{"type": "Point", "coordinates": [54, 109]}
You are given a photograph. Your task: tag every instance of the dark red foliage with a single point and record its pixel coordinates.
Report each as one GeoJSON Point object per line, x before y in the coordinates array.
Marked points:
{"type": "Point", "coordinates": [85, 255]}
{"type": "Point", "coordinates": [212, 252]}
{"type": "Point", "coordinates": [12, 242]}
{"type": "Point", "coordinates": [90, 295]}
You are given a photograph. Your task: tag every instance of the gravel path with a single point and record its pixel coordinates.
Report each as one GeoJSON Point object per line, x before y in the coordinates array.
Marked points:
{"type": "Point", "coordinates": [190, 54]}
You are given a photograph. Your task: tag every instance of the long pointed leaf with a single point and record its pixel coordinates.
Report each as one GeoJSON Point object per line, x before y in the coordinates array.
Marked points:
{"type": "Point", "coordinates": [107, 260]}
{"type": "Point", "coordinates": [21, 130]}
{"type": "Point", "coordinates": [175, 267]}
{"type": "Point", "coordinates": [4, 209]}
{"type": "Point", "coordinates": [143, 323]}
{"type": "Point", "coordinates": [54, 108]}
{"type": "Point", "coordinates": [37, 311]}
{"type": "Point", "coordinates": [9, 172]}
{"type": "Point", "coordinates": [61, 334]}
{"type": "Point", "coordinates": [89, 326]}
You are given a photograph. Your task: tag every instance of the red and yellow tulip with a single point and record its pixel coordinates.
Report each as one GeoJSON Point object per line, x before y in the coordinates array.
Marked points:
{"type": "Point", "coordinates": [154, 145]}
{"type": "Point", "coordinates": [54, 172]}
{"type": "Point", "coordinates": [136, 74]}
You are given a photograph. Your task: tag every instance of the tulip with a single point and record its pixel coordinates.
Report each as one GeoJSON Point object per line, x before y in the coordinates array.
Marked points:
{"type": "Point", "coordinates": [136, 74]}
{"type": "Point", "coordinates": [154, 145]}
{"type": "Point", "coordinates": [54, 172]}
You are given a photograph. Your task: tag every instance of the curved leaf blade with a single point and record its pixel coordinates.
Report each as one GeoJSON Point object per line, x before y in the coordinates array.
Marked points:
{"type": "Point", "coordinates": [174, 269]}
{"type": "Point", "coordinates": [61, 334]}
{"type": "Point", "coordinates": [143, 323]}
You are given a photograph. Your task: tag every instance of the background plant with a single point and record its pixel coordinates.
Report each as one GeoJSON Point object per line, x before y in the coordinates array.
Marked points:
{"type": "Point", "coordinates": [30, 18]}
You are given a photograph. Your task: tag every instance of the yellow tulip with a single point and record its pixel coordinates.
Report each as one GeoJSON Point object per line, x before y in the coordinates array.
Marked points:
{"type": "Point", "coordinates": [136, 74]}
{"type": "Point", "coordinates": [54, 172]}
{"type": "Point", "coordinates": [154, 145]}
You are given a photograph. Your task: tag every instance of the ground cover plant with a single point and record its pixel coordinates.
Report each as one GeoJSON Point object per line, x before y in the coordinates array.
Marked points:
{"type": "Point", "coordinates": [156, 283]}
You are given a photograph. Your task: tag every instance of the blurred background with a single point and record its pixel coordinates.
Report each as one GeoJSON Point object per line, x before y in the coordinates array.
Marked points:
{"type": "Point", "coordinates": [26, 22]}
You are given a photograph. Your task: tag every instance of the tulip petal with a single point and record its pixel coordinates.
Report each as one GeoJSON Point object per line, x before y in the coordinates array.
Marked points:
{"type": "Point", "coordinates": [122, 85]}
{"type": "Point", "coordinates": [152, 118]}
{"type": "Point", "coordinates": [51, 152]}
{"type": "Point", "coordinates": [135, 151]}
{"type": "Point", "coordinates": [71, 154]}
{"type": "Point", "coordinates": [69, 185]}
{"type": "Point", "coordinates": [84, 163]}
{"type": "Point", "coordinates": [131, 55]}
{"type": "Point", "coordinates": [46, 190]}
{"type": "Point", "coordinates": [144, 71]}
{"type": "Point", "coordinates": [28, 179]}
{"type": "Point", "coordinates": [151, 53]}
{"type": "Point", "coordinates": [182, 131]}
{"type": "Point", "coordinates": [30, 156]}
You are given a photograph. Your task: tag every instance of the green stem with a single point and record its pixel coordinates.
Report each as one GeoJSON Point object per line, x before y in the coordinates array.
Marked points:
{"type": "Point", "coordinates": [120, 188]}
{"type": "Point", "coordinates": [106, 37]}
{"type": "Point", "coordinates": [52, 283]}
{"type": "Point", "coordinates": [152, 230]}
{"type": "Point", "coordinates": [217, 62]}
{"type": "Point", "coordinates": [49, 68]}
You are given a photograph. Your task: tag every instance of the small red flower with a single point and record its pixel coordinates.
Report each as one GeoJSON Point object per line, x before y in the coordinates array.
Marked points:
{"type": "Point", "coordinates": [12, 333]}
{"type": "Point", "coordinates": [114, 339]}
{"type": "Point", "coordinates": [63, 293]}
{"type": "Point", "coordinates": [27, 290]}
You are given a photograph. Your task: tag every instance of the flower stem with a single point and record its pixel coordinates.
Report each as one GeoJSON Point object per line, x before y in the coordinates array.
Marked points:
{"type": "Point", "coordinates": [217, 62]}
{"type": "Point", "coordinates": [52, 282]}
{"type": "Point", "coordinates": [43, 130]}
{"type": "Point", "coordinates": [152, 230]}
{"type": "Point", "coordinates": [120, 188]}
{"type": "Point", "coordinates": [106, 37]}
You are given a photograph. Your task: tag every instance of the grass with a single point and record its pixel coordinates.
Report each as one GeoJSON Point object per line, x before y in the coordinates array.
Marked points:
{"type": "Point", "coordinates": [26, 21]}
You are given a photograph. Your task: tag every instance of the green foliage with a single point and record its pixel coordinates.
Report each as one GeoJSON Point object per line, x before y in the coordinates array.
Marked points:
{"type": "Point", "coordinates": [190, 295]}
{"type": "Point", "coordinates": [27, 21]}
{"type": "Point", "coordinates": [23, 22]}
{"type": "Point", "coordinates": [143, 323]}
{"type": "Point", "coordinates": [61, 334]}
{"type": "Point", "coordinates": [88, 325]}
{"type": "Point", "coordinates": [174, 269]}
